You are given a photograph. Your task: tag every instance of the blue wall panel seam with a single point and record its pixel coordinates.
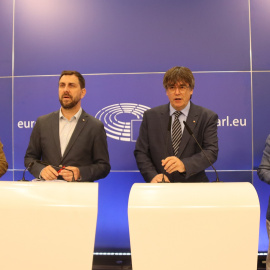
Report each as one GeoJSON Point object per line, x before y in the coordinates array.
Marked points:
{"type": "Point", "coordinates": [12, 90]}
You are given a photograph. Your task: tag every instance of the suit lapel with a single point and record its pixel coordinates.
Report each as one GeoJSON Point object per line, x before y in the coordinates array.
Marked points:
{"type": "Point", "coordinates": [164, 117]}
{"type": "Point", "coordinates": [80, 125]}
{"type": "Point", "coordinates": [55, 131]}
{"type": "Point", "coordinates": [191, 121]}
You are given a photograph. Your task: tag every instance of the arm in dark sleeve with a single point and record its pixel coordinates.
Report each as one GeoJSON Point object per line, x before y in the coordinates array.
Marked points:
{"type": "Point", "coordinates": [142, 153]}
{"type": "Point", "coordinates": [3, 161]}
{"type": "Point", "coordinates": [100, 166]}
{"type": "Point", "coordinates": [34, 152]}
{"type": "Point", "coordinates": [264, 168]}
{"type": "Point", "coordinates": [198, 162]}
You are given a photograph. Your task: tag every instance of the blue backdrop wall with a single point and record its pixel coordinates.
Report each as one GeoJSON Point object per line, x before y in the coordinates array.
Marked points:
{"type": "Point", "coordinates": [123, 49]}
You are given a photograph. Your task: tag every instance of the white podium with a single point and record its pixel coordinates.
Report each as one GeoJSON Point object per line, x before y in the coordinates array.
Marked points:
{"type": "Point", "coordinates": [47, 225]}
{"type": "Point", "coordinates": [202, 226]}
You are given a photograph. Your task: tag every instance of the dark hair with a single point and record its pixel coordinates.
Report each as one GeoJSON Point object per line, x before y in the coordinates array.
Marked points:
{"type": "Point", "coordinates": [77, 74]}
{"type": "Point", "coordinates": [177, 74]}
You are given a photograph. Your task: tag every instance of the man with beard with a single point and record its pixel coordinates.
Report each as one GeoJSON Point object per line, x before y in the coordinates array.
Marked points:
{"type": "Point", "coordinates": [68, 144]}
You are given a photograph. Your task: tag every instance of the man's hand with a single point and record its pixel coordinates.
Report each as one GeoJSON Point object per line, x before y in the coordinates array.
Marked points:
{"type": "Point", "coordinates": [158, 179]}
{"type": "Point", "coordinates": [49, 173]}
{"type": "Point", "coordinates": [67, 174]}
{"type": "Point", "coordinates": [173, 164]}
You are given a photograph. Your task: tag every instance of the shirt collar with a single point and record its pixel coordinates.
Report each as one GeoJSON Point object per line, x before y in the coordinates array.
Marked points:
{"type": "Point", "coordinates": [75, 116]}
{"type": "Point", "coordinates": [185, 111]}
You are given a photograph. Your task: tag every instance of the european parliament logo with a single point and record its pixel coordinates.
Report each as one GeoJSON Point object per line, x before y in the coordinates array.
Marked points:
{"type": "Point", "coordinates": [122, 121]}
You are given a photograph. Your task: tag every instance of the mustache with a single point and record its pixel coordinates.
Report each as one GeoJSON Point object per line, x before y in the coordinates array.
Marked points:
{"type": "Point", "coordinates": [66, 95]}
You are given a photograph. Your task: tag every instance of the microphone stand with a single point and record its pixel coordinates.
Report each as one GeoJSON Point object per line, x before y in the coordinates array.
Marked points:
{"type": "Point", "coordinates": [27, 168]}
{"type": "Point", "coordinates": [166, 146]}
{"type": "Point", "coordinates": [191, 134]}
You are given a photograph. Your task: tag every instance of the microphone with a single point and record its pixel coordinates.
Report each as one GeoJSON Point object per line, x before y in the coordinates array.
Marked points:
{"type": "Point", "coordinates": [191, 134]}
{"type": "Point", "coordinates": [166, 146]}
{"type": "Point", "coordinates": [27, 168]}
{"type": "Point", "coordinates": [47, 164]}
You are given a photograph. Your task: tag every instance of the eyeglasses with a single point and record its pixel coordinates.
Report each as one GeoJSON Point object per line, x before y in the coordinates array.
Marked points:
{"type": "Point", "coordinates": [182, 88]}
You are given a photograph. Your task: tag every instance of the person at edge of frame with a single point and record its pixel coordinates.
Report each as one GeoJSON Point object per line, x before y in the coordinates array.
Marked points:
{"type": "Point", "coordinates": [264, 175]}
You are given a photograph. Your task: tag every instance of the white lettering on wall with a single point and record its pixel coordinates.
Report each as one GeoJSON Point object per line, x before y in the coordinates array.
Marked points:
{"type": "Point", "coordinates": [26, 124]}
{"type": "Point", "coordinates": [236, 122]}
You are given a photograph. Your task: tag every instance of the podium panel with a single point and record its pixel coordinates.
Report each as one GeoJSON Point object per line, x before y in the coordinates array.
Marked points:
{"type": "Point", "coordinates": [206, 226]}
{"type": "Point", "coordinates": [47, 225]}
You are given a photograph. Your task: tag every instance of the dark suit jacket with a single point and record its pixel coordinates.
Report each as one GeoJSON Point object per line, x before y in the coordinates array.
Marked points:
{"type": "Point", "coordinates": [264, 169]}
{"type": "Point", "coordinates": [87, 148]}
{"type": "Point", "coordinates": [151, 144]}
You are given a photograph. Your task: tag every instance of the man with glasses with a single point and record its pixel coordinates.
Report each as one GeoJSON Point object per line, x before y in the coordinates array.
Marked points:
{"type": "Point", "coordinates": [165, 151]}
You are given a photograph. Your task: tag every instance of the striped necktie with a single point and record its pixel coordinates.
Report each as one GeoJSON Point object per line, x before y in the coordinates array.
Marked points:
{"type": "Point", "coordinates": [176, 132]}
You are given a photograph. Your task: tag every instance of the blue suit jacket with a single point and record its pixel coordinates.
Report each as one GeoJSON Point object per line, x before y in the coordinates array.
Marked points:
{"type": "Point", "coordinates": [264, 169]}
{"type": "Point", "coordinates": [151, 144]}
{"type": "Point", "coordinates": [87, 148]}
